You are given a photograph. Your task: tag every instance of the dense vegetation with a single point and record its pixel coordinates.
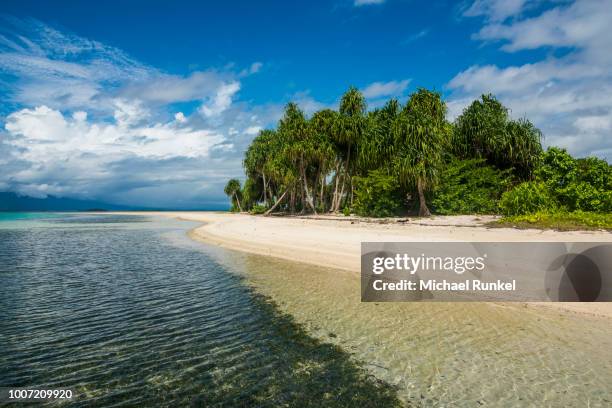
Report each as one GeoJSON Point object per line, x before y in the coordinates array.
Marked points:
{"type": "Point", "coordinates": [410, 159]}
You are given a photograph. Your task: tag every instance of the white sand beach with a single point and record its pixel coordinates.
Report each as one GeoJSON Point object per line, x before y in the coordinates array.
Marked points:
{"type": "Point", "coordinates": [334, 241]}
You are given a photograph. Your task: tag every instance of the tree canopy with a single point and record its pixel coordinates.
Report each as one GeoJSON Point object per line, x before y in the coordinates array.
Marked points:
{"type": "Point", "coordinates": [404, 157]}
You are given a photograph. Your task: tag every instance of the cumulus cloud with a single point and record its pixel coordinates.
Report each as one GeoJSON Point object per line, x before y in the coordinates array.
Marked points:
{"type": "Point", "coordinates": [568, 97]}
{"type": "Point", "coordinates": [85, 120]}
{"type": "Point", "coordinates": [391, 88]}
{"type": "Point", "coordinates": [583, 24]}
{"type": "Point", "coordinates": [71, 154]}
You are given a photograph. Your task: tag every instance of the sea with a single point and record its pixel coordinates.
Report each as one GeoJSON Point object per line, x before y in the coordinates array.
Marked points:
{"type": "Point", "coordinates": [127, 311]}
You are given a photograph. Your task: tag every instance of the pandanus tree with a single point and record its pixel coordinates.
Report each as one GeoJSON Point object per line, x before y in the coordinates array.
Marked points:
{"type": "Point", "coordinates": [311, 163]}
{"type": "Point", "coordinates": [348, 129]}
{"type": "Point", "coordinates": [232, 190]}
{"type": "Point", "coordinates": [485, 130]}
{"type": "Point", "coordinates": [323, 155]}
{"type": "Point", "coordinates": [376, 146]}
{"type": "Point", "coordinates": [256, 157]}
{"type": "Point", "coordinates": [299, 147]}
{"type": "Point", "coordinates": [282, 170]}
{"type": "Point", "coordinates": [420, 138]}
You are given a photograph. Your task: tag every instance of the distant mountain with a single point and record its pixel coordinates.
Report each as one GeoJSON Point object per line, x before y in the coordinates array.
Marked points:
{"type": "Point", "coordinates": [14, 202]}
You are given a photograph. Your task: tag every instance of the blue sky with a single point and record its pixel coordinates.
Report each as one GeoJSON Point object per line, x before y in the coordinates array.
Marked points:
{"type": "Point", "coordinates": [152, 103]}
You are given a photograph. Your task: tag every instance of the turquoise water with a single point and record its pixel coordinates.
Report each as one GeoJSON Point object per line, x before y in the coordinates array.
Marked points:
{"type": "Point", "coordinates": [14, 216]}
{"type": "Point", "coordinates": [127, 311]}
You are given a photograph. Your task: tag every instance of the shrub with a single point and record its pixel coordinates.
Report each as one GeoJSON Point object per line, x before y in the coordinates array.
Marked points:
{"type": "Point", "coordinates": [584, 197]}
{"type": "Point", "coordinates": [258, 209]}
{"type": "Point", "coordinates": [526, 198]}
{"type": "Point", "coordinates": [346, 211]}
{"type": "Point", "coordinates": [251, 193]}
{"type": "Point", "coordinates": [577, 184]}
{"type": "Point", "coordinates": [377, 195]}
{"type": "Point", "coordinates": [470, 187]}
{"type": "Point", "coordinates": [559, 220]}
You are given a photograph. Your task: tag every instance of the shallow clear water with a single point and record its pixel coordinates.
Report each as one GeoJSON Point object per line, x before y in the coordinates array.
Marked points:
{"type": "Point", "coordinates": [128, 311]}
{"type": "Point", "coordinates": [447, 354]}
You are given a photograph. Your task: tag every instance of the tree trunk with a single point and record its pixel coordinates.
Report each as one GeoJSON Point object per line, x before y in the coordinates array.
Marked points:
{"type": "Point", "coordinates": [308, 197]}
{"type": "Point", "coordinates": [265, 189]}
{"type": "Point", "coordinates": [423, 210]}
{"type": "Point", "coordinates": [315, 185]}
{"type": "Point", "coordinates": [321, 197]}
{"type": "Point", "coordinates": [238, 202]}
{"type": "Point", "coordinates": [347, 177]}
{"type": "Point", "coordinates": [352, 192]}
{"type": "Point", "coordinates": [292, 201]}
{"type": "Point", "coordinates": [337, 181]}
{"type": "Point", "coordinates": [276, 203]}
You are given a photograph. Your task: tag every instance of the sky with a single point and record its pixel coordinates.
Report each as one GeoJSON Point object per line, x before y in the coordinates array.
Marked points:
{"type": "Point", "coordinates": [152, 104]}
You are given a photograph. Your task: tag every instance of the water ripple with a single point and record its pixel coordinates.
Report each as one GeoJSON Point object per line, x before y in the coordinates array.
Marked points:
{"type": "Point", "coordinates": [110, 307]}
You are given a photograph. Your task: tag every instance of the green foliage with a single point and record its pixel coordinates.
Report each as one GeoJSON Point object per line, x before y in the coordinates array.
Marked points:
{"type": "Point", "coordinates": [251, 192]}
{"type": "Point", "coordinates": [258, 209]}
{"type": "Point", "coordinates": [233, 191]}
{"type": "Point", "coordinates": [346, 211]}
{"type": "Point", "coordinates": [420, 139]}
{"type": "Point", "coordinates": [526, 198]}
{"type": "Point", "coordinates": [377, 195]}
{"type": "Point", "coordinates": [559, 220]}
{"type": "Point", "coordinates": [470, 187]}
{"type": "Point", "coordinates": [576, 184]}
{"type": "Point", "coordinates": [484, 130]}
{"type": "Point", "coordinates": [376, 147]}
{"type": "Point", "coordinates": [374, 162]}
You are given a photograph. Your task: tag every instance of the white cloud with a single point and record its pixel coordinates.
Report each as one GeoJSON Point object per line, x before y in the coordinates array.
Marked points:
{"type": "Point", "coordinates": [165, 88]}
{"type": "Point", "coordinates": [70, 155]}
{"type": "Point", "coordinates": [221, 101]}
{"type": "Point", "coordinates": [568, 97]}
{"type": "Point", "coordinates": [583, 24]}
{"type": "Point", "coordinates": [91, 122]}
{"type": "Point", "coordinates": [495, 10]}
{"type": "Point", "coordinates": [391, 88]}
{"type": "Point", "coordinates": [61, 69]}
{"type": "Point", "coordinates": [367, 2]}
{"type": "Point", "coordinates": [129, 112]}
{"type": "Point", "coordinates": [252, 130]}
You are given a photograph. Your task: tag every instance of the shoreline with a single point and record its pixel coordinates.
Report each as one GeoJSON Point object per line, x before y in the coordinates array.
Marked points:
{"type": "Point", "coordinates": [335, 241]}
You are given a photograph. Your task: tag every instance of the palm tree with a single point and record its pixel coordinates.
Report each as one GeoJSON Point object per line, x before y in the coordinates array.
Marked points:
{"type": "Point", "coordinates": [256, 158]}
{"type": "Point", "coordinates": [232, 190]}
{"type": "Point", "coordinates": [420, 134]}
{"type": "Point", "coordinates": [376, 147]}
{"type": "Point", "coordinates": [484, 130]}
{"type": "Point", "coordinates": [298, 147]}
{"type": "Point", "coordinates": [348, 129]}
{"type": "Point", "coordinates": [324, 154]}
